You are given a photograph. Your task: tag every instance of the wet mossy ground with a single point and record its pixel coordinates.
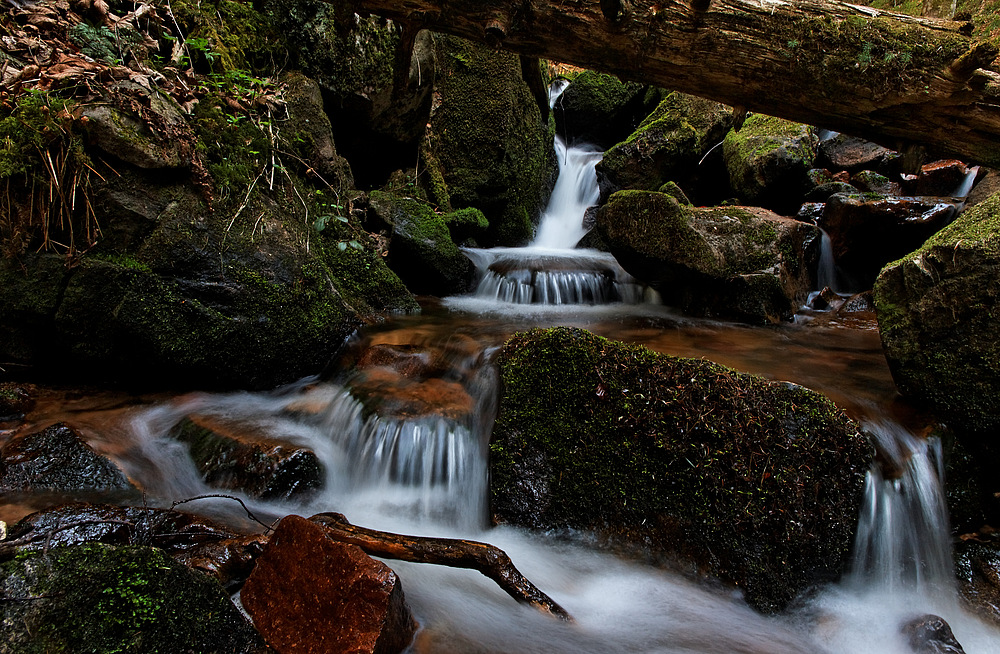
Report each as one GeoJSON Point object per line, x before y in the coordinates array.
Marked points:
{"type": "Point", "coordinates": [98, 599]}
{"type": "Point", "coordinates": [759, 482]}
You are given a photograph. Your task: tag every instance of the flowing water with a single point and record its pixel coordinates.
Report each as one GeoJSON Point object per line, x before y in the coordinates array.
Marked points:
{"type": "Point", "coordinates": [407, 453]}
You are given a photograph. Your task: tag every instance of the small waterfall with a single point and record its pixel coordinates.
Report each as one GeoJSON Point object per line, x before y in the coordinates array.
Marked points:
{"type": "Point", "coordinates": [561, 226]}
{"type": "Point", "coordinates": [902, 541]}
{"type": "Point", "coordinates": [970, 178]}
{"type": "Point", "coordinates": [826, 271]}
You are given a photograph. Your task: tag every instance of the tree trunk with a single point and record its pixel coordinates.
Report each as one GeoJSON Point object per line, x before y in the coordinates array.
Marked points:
{"type": "Point", "coordinates": [891, 78]}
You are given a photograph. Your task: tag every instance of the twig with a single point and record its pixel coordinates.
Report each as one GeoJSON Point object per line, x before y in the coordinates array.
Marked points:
{"type": "Point", "coordinates": [225, 497]}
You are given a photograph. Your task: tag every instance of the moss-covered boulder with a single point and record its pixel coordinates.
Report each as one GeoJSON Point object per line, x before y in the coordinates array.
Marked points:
{"type": "Point", "coordinates": [100, 598]}
{"type": "Point", "coordinates": [670, 145]}
{"type": "Point", "coordinates": [421, 251]}
{"type": "Point", "coordinates": [757, 482]}
{"type": "Point", "coordinates": [769, 161]}
{"type": "Point", "coordinates": [15, 400]}
{"type": "Point", "coordinates": [488, 139]}
{"type": "Point", "coordinates": [738, 262]}
{"type": "Point", "coordinates": [939, 314]}
{"type": "Point", "coordinates": [599, 108]}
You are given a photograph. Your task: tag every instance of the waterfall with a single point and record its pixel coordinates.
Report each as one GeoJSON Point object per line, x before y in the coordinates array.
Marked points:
{"type": "Point", "coordinates": [561, 225]}
{"type": "Point", "coordinates": [826, 271]}
{"type": "Point", "coordinates": [902, 539]}
{"type": "Point", "coordinates": [970, 178]}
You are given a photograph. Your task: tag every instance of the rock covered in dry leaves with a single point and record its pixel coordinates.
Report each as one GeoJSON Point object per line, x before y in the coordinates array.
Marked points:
{"type": "Point", "coordinates": [309, 594]}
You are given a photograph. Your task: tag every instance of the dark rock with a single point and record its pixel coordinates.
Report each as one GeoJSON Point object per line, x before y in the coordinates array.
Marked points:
{"type": "Point", "coordinates": [843, 152]}
{"type": "Point", "coordinates": [987, 184]}
{"type": "Point", "coordinates": [769, 160]}
{"type": "Point", "coordinates": [669, 145]}
{"type": "Point", "coordinates": [823, 192]}
{"type": "Point", "coordinates": [421, 251]}
{"type": "Point", "coordinates": [873, 182]}
{"type": "Point", "coordinates": [100, 598]}
{"type": "Point", "coordinates": [466, 225]}
{"type": "Point", "coordinates": [311, 130]}
{"type": "Point", "coordinates": [674, 191]}
{"type": "Point", "coordinates": [237, 458]}
{"type": "Point", "coordinates": [309, 594]}
{"type": "Point", "coordinates": [599, 108]}
{"type": "Point", "coordinates": [15, 400]}
{"type": "Point", "coordinates": [738, 262]}
{"type": "Point", "coordinates": [810, 212]}
{"type": "Point", "coordinates": [938, 178]}
{"type": "Point", "coordinates": [930, 634]}
{"type": "Point", "coordinates": [58, 459]}
{"type": "Point", "coordinates": [860, 303]}
{"type": "Point", "coordinates": [665, 455]}
{"type": "Point", "coordinates": [868, 231]}
{"type": "Point", "coordinates": [977, 565]}
{"type": "Point", "coordinates": [938, 321]}
{"type": "Point", "coordinates": [826, 299]}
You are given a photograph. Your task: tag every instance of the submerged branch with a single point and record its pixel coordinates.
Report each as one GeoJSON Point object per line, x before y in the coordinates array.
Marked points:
{"type": "Point", "coordinates": [487, 559]}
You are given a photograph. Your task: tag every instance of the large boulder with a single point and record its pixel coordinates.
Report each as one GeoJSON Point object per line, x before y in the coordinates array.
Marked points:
{"type": "Point", "coordinates": [769, 161]}
{"type": "Point", "coordinates": [487, 139]}
{"type": "Point", "coordinates": [310, 594]}
{"type": "Point", "coordinates": [101, 598]}
{"type": "Point", "coordinates": [868, 230]}
{"type": "Point", "coordinates": [669, 145]}
{"type": "Point", "coordinates": [757, 482]}
{"type": "Point", "coordinates": [737, 262]}
{"type": "Point", "coordinates": [421, 251]}
{"type": "Point", "coordinates": [939, 322]}
{"type": "Point", "coordinates": [599, 108]}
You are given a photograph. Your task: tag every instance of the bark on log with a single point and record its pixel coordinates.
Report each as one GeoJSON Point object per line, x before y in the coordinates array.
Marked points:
{"type": "Point", "coordinates": [487, 559]}
{"type": "Point", "coordinates": [887, 77]}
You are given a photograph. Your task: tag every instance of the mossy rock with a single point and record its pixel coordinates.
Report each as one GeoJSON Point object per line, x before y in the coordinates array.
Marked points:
{"type": "Point", "coordinates": [599, 108]}
{"type": "Point", "coordinates": [96, 598]}
{"type": "Point", "coordinates": [487, 136]}
{"type": "Point", "coordinates": [939, 314]}
{"type": "Point", "coordinates": [769, 161]}
{"type": "Point", "coordinates": [466, 224]}
{"type": "Point", "coordinates": [421, 251]}
{"type": "Point", "coordinates": [744, 263]}
{"type": "Point", "coordinates": [669, 145]}
{"type": "Point", "coordinates": [758, 482]}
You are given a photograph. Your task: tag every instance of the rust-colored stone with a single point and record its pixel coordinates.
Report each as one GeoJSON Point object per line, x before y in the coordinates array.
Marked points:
{"type": "Point", "coordinates": [311, 595]}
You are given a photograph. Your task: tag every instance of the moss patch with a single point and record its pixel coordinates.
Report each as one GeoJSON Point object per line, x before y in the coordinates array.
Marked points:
{"type": "Point", "coordinates": [760, 481]}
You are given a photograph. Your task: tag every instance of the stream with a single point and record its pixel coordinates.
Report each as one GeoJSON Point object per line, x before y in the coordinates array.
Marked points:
{"type": "Point", "coordinates": [425, 472]}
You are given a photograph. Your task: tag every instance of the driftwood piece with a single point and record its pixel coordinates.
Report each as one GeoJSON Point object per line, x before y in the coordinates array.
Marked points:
{"type": "Point", "coordinates": [487, 559]}
{"type": "Point", "coordinates": [887, 77]}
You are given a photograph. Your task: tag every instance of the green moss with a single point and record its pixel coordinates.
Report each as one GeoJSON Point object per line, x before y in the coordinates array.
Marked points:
{"type": "Point", "coordinates": [99, 599]}
{"type": "Point", "coordinates": [229, 35]}
{"type": "Point", "coordinates": [679, 454]}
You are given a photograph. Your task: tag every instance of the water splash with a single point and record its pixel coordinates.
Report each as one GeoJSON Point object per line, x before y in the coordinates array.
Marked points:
{"type": "Point", "coordinates": [561, 226]}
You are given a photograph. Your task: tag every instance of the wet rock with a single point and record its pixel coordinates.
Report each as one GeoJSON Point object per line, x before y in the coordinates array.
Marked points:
{"type": "Point", "coordinates": [15, 400]}
{"type": "Point", "coordinates": [101, 598]}
{"type": "Point", "coordinates": [58, 459]}
{"type": "Point", "coordinates": [389, 393]}
{"type": "Point", "coordinates": [238, 457]}
{"type": "Point", "coordinates": [810, 212]}
{"type": "Point", "coordinates": [938, 323]}
{"type": "Point", "coordinates": [859, 305]}
{"type": "Point", "coordinates": [738, 262]}
{"type": "Point", "coordinates": [867, 231]}
{"type": "Point", "coordinates": [939, 178]}
{"type": "Point", "coordinates": [769, 161]}
{"type": "Point", "coordinates": [408, 360]}
{"type": "Point", "coordinates": [668, 146]}
{"type": "Point", "coordinates": [843, 152]}
{"type": "Point", "coordinates": [931, 634]}
{"type": "Point", "coordinates": [826, 299]}
{"type": "Point", "coordinates": [977, 565]}
{"type": "Point", "coordinates": [310, 594]}
{"type": "Point", "coordinates": [192, 540]}
{"type": "Point", "coordinates": [599, 108]}
{"type": "Point", "coordinates": [987, 184]}
{"type": "Point", "coordinates": [421, 251]}
{"type": "Point", "coordinates": [823, 192]}
{"type": "Point", "coordinates": [873, 182]}
{"type": "Point", "coordinates": [757, 482]}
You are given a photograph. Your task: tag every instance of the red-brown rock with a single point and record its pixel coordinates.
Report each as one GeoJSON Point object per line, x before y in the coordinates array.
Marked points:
{"type": "Point", "coordinates": [311, 595]}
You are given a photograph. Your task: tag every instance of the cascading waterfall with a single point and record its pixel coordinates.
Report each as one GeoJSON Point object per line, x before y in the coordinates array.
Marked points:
{"type": "Point", "coordinates": [561, 226]}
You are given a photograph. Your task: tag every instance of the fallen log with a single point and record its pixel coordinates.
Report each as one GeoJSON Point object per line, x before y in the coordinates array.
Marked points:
{"type": "Point", "coordinates": [487, 559]}
{"type": "Point", "coordinates": [887, 77]}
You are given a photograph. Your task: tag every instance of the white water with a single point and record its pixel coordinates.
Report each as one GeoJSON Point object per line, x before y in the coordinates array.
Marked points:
{"type": "Point", "coordinates": [561, 226]}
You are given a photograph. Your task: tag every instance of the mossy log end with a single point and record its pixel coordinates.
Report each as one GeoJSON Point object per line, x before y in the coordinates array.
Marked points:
{"type": "Point", "coordinates": [487, 559]}
{"type": "Point", "coordinates": [887, 77]}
